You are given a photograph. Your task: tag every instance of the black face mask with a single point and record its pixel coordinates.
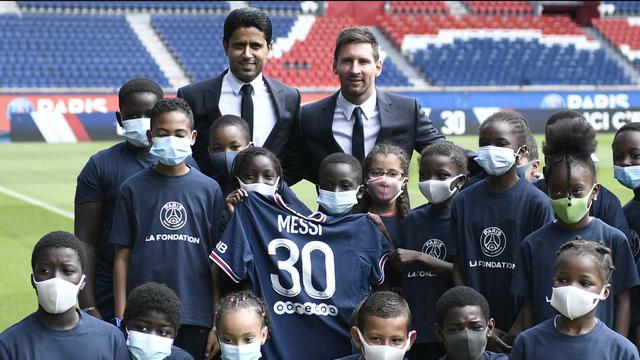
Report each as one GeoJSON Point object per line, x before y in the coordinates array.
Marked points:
{"type": "Point", "coordinates": [223, 162]}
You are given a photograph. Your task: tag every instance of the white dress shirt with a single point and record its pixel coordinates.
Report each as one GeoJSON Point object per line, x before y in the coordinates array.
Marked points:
{"type": "Point", "coordinates": [264, 112]}
{"type": "Point", "coordinates": [343, 120]}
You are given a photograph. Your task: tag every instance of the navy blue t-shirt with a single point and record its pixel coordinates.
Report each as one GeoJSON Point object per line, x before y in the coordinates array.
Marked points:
{"type": "Point", "coordinates": [427, 231]}
{"type": "Point", "coordinates": [30, 339]}
{"type": "Point", "coordinates": [486, 231]}
{"type": "Point", "coordinates": [632, 214]}
{"type": "Point", "coordinates": [545, 342]}
{"type": "Point", "coordinates": [311, 271]}
{"type": "Point", "coordinates": [488, 355]}
{"type": "Point", "coordinates": [171, 223]}
{"type": "Point", "coordinates": [394, 226]}
{"type": "Point", "coordinates": [359, 357]}
{"type": "Point", "coordinates": [99, 181]}
{"type": "Point", "coordinates": [606, 208]}
{"type": "Point", "coordinates": [178, 354]}
{"type": "Point", "coordinates": [533, 277]}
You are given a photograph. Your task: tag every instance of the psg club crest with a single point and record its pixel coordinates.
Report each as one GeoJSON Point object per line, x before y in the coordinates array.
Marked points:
{"type": "Point", "coordinates": [173, 215]}
{"type": "Point", "coordinates": [493, 241]}
{"type": "Point", "coordinates": [634, 241]}
{"type": "Point", "coordinates": [435, 248]}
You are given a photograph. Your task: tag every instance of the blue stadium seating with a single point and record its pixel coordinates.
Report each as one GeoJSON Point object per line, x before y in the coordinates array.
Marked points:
{"type": "Point", "coordinates": [625, 7]}
{"type": "Point", "coordinates": [516, 62]}
{"type": "Point", "coordinates": [39, 50]}
{"type": "Point", "coordinates": [126, 5]}
{"type": "Point", "coordinates": [277, 5]}
{"type": "Point", "coordinates": [391, 75]}
{"type": "Point", "coordinates": [196, 41]}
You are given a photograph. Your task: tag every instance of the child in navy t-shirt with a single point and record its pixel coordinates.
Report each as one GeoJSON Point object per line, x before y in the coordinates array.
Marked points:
{"type": "Point", "coordinates": [166, 222]}
{"type": "Point", "coordinates": [228, 135]}
{"type": "Point", "coordinates": [464, 325]}
{"type": "Point", "coordinates": [580, 283]}
{"type": "Point", "coordinates": [571, 179]}
{"type": "Point", "coordinates": [97, 189]}
{"type": "Point", "coordinates": [58, 330]}
{"type": "Point", "coordinates": [427, 270]}
{"type": "Point", "coordinates": [490, 218]}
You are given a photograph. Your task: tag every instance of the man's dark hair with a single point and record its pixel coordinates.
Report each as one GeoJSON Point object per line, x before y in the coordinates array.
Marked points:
{"type": "Point", "coordinates": [59, 239]}
{"type": "Point", "coordinates": [342, 158]}
{"type": "Point", "coordinates": [460, 296]}
{"type": "Point", "coordinates": [247, 17]}
{"type": "Point", "coordinates": [153, 297]}
{"type": "Point", "coordinates": [234, 121]}
{"type": "Point", "coordinates": [139, 86]}
{"type": "Point", "coordinates": [169, 105]}
{"type": "Point", "coordinates": [357, 35]}
{"type": "Point", "coordinates": [383, 304]}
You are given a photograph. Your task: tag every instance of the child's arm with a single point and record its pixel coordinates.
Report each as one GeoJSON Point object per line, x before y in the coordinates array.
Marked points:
{"type": "Point", "coordinates": [457, 275]}
{"type": "Point", "coordinates": [403, 257]}
{"type": "Point", "coordinates": [623, 313]}
{"type": "Point", "coordinates": [213, 347]}
{"type": "Point", "coordinates": [87, 229]}
{"type": "Point", "coordinates": [120, 269]}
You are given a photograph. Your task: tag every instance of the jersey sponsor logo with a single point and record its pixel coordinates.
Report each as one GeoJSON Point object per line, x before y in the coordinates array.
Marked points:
{"type": "Point", "coordinates": [492, 264]}
{"type": "Point", "coordinates": [308, 308]}
{"type": "Point", "coordinates": [173, 215]}
{"type": "Point", "coordinates": [493, 241]}
{"type": "Point", "coordinates": [174, 237]}
{"type": "Point", "coordinates": [634, 241]}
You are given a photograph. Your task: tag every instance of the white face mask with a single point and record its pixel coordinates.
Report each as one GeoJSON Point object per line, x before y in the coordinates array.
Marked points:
{"type": "Point", "coordinates": [383, 352]}
{"type": "Point", "coordinates": [437, 191]}
{"type": "Point", "coordinates": [240, 352]}
{"type": "Point", "coordinates": [171, 150]}
{"type": "Point", "coordinates": [143, 346]}
{"type": "Point", "coordinates": [260, 188]}
{"type": "Point", "coordinates": [57, 295]}
{"type": "Point", "coordinates": [337, 202]}
{"type": "Point", "coordinates": [574, 302]}
{"type": "Point", "coordinates": [135, 130]}
{"type": "Point", "coordinates": [496, 160]}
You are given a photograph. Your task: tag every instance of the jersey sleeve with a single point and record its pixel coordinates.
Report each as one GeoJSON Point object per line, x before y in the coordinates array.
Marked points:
{"type": "Point", "coordinates": [517, 352]}
{"type": "Point", "coordinates": [123, 228]}
{"type": "Point", "coordinates": [521, 283]}
{"type": "Point", "coordinates": [89, 187]}
{"type": "Point", "coordinates": [217, 212]}
{"type": "Point", "coordinates": [232, 253]}
{"type": "Point", "coordinates": [375, 250]}
{"type": "Point", "coordinates": [625, 275]}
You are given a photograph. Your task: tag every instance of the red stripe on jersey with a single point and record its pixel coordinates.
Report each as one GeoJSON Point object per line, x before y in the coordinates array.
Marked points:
{"type": "Point", "coordinates": [77, 127]}
{"type": "Point", "coordinates": [224, 266]}
{"type": "Point", "coordinates": [315, 217]}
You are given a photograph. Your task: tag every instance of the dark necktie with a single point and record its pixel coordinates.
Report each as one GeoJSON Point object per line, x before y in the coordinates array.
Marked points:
{"type": "Point", "coordinates": [246, 111]}
{"type": "Point", "coordinates": [357, 137]}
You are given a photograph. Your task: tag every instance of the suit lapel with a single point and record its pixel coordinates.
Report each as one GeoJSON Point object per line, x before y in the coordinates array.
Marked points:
{"type": "Point", "coordinates": [212, 97]}
{"type": "Point", "coordinates": [277, 97]}
{"type": "Point", "coordinates": [385, 111]}
{"type": "Point", "coordinates": [325, 121]}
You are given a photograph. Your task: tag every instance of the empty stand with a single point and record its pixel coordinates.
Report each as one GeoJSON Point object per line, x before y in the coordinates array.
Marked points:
{"type": "Point", "coordinates": [38, 50]}
{"type": "Point", "coordinates": [123, 5]}
{"type": "Point", "coordinates": [624, 7]}
{"type": "Point", "coordinates": [418, 7]}
{"type": "Point", "coordinates": [499, 7]}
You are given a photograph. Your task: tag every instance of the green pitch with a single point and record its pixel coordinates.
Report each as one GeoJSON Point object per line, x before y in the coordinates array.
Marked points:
{"type": "Point", "coordinates": [46, 175]}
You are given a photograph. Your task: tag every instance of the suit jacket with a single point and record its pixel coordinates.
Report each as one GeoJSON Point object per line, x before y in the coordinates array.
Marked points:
{"type": "Point", "coordinates": [203, 98]}
{"type": "Point", "coordinates": [402, 120]}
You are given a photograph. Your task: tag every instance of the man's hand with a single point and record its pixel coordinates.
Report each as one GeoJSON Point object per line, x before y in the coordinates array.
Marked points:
{"type": "Point", "coordinates": [212, 345]}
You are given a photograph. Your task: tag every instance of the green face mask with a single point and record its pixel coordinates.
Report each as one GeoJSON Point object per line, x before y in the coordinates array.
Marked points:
{"type": "Point", "coordinates": [571, 214]}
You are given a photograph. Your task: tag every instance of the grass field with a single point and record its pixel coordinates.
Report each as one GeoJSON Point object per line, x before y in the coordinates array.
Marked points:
{"type": "Point", "coordinates": [46, 174]}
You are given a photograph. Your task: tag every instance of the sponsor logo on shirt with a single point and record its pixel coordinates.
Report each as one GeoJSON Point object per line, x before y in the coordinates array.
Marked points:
{"type": "Point", "coordinates": [435, 248]}
{"type": "Point", "coordinates": [634, 241]}
{"type": "Point", "coordinates": [173, 215]}
{"type": "Point", "coordinates": [308, 308]}
{"type": "Point", "coordinates": [493, 241]}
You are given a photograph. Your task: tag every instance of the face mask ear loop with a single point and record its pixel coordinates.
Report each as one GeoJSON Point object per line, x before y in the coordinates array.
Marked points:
{"type": "Point", "coordinates": [568, 164]}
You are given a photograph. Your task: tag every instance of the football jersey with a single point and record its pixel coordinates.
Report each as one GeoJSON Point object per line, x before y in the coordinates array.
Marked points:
{"type": "Point", "coordinates": [426, 231]}
{"type": "Point", "coordinates": [486, 231]}
{"type": "Point", "coordinates": [311, 271]}
{"type": "Point", "coordinates": [171, 223]}
{"type": "Point", "coordinates": [533, 277]}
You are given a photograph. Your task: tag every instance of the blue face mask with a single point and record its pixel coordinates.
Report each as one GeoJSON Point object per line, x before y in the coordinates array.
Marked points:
{"type": "Point", "coordinates": [171, 150]}
{"type": "Point", "coordinates": [522, 169]}
{"type": "Point", "coordinates": [337, 202]}
{"type": "Point", "coordinates": [240, 352]}
{"type": "Point", "coordinates": [496, 160]}
{"type": "Point", "coordinates": [629, 176]}
{"type": "Point", "coordinates": [223, 162]}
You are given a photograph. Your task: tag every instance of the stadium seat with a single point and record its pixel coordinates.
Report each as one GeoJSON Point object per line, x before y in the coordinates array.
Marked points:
{"type": "Point", "coordinates": [499, 7]}
{"type": "Point", "coordinates": [123, 5]}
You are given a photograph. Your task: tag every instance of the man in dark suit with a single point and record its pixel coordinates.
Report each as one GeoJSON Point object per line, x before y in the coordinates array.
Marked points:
{"type": "Point", "coordinates": [270, 107]}
{"type": "Point", "coordinates": [359, 116]}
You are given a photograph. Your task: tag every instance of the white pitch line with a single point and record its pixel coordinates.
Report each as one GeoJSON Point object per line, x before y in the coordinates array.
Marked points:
{"type": "Point", "coordinates": [36, 202]}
